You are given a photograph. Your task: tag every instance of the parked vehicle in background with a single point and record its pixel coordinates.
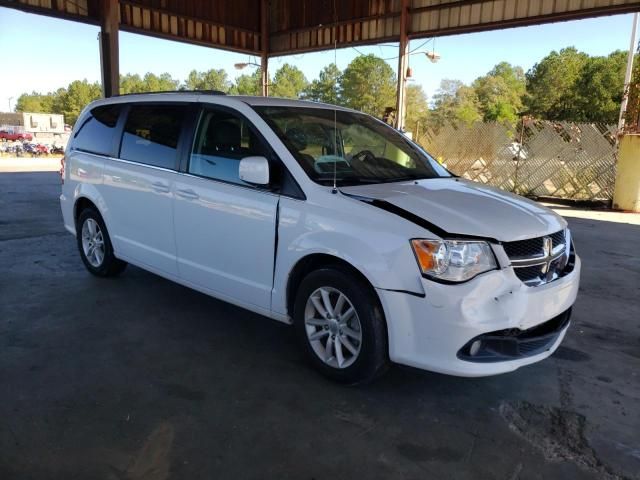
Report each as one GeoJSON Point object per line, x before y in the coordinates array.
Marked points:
{"type": "Point", "coordinates": [325, 218]}
{"type": "Point", "coordinates": [12, 135]}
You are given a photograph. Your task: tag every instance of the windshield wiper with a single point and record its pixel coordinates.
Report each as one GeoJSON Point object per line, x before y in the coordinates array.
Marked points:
{"type": "Point", "coordinates": [348, 181]}
{"type": "Point", "coordinates": [406, 178]}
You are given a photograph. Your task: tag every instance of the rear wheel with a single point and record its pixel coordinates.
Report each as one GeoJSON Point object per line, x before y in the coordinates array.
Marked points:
{"type": "Point", "coordinates": [340, 325]}
{"type": "Point", "coordinates": [95, 246]}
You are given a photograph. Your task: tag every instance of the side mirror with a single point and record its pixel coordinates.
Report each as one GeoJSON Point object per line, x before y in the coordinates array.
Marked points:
{"type": "Point", "coordinates": [254, 170]}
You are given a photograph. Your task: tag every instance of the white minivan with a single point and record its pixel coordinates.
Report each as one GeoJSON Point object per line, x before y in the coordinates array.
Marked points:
{"type": "Point", "coordinates": [324, 218]}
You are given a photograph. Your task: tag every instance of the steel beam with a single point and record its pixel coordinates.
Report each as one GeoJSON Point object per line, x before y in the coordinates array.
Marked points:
{"type": "Point", "coordinates": [264, 46]}
{"type": "Point", "coordinates": [403, 56]}
{"type": "Point", "coordinates": [109, 48]}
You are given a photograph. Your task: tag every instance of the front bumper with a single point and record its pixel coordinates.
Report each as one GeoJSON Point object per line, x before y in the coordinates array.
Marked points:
{"type": "Point", "coordinates": [432, 332]}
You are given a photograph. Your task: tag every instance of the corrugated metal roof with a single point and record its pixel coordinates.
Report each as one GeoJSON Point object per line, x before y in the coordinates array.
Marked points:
{"type": "Point", "coordinates": [312, 25]}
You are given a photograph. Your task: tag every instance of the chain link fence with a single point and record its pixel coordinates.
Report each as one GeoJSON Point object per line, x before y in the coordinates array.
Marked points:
{"type": "Point", "coordinates": [535, 158]}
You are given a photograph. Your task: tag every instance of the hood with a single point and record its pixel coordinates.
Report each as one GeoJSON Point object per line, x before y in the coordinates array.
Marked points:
{"type": "Point", "coordinates": [462, 207]}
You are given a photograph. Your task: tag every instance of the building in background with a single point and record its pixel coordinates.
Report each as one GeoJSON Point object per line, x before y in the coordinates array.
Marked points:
{"type": "Point", "coordinates": [45, 127]}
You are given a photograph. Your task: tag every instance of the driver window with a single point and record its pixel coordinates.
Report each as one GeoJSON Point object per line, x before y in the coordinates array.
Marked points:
{"type": "Point", "coordinates": [222, 140]}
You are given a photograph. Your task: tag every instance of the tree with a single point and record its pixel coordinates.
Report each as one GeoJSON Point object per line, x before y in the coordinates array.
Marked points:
{"type": "Point", "coordinates": [571, 85]}
{"type": "Point", "coordinates": [288, 82]}
{"type": "Point", "coordinates": [551, 84]}
{"type": "Point", "coordinates": [210, 80]}
{"type": "Point", "coordinates": [455, 102]}
{"type": "Point", "coordinates": [248, 84]}
{"type": "Point", "coordinates": [162, 83]}
{"type": "Point", "coordinates": [368, 84]}
{"type": "Point", "coordinates": [35, 102]}
{"type": "Point", "coordinates": [77, 95]}
{"type": "Point", "coordinates": [600, 88]}
{"type": "Point", "coordinates": [500, 93]}
{"type": "Point", "coordinates": [417, 108]}
{"type": "Point", "coordinates": [133, 83]}
{"type": "Point", "coordinates": [326, 87]}
{"type": "Point", "coordinates": [632, 115]}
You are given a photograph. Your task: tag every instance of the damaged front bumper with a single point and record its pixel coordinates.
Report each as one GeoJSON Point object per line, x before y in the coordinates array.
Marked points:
{"type": "Point", "coordinates": [516, 324]}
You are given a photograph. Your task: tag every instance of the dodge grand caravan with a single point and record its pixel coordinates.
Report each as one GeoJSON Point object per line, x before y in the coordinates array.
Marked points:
{"type": "Point", "coordinates": [324, 218]}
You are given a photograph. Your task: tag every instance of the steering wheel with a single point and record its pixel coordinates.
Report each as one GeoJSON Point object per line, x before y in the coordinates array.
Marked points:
{"type": "Point", "coordinates": [364, 155]}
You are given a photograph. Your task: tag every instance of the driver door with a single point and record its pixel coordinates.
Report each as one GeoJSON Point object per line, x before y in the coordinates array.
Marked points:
{"type": "Point", "coordinates": [224, 227]}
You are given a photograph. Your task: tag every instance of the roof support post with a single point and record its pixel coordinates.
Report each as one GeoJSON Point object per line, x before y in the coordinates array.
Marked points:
{"type": "Point", "coordinates": [403, 62]}
{"type": "Point", "coordinates": [264, 46]}
{"type": "Point", "coordinates": [109, 49]}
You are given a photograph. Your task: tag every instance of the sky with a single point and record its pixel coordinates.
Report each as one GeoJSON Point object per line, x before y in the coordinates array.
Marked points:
{"type": "Point", "coordinates": [50, 53]}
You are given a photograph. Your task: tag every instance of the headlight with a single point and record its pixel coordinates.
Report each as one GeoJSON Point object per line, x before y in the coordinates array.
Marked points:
{"type": "Point", "coordinates": [453, 260]}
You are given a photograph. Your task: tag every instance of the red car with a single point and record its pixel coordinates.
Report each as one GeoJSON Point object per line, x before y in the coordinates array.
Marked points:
{"type": "Point", "coordinates": [6, 135]}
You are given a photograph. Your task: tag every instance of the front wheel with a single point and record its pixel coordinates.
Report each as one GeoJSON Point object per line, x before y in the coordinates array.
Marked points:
{"type": "Point", "coordinates": [341, 326]}
{"type": "Point", "coordinates": [95, 246]}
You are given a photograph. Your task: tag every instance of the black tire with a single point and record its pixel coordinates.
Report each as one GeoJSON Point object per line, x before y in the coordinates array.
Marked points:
{"type": "Point", "coordinates": [373, 357]}
{"type": "Point", "coordinates": [110, 265]}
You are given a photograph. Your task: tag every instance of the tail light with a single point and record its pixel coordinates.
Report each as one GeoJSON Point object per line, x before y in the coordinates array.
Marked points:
{"type": "Point", "coordinates": [62, 170]}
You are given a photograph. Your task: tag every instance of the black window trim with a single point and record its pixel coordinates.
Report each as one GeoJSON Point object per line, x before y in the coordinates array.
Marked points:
{"type": "Point", "coordinates": [183, 129]}
{"type": "Point", "coordinates": [190, 135]}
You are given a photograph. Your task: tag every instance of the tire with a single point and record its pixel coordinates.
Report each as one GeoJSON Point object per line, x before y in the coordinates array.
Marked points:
{"type": "Point", "coordinates": [97, 257]}
{"type": "Point", "coordinates": [365, 359]}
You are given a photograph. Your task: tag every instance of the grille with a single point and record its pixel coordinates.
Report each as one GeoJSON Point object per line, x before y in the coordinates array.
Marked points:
{"type": "Point", "coordinates": [524, 248]}
{"type": "Point", "coordinates": [557, 238]}
{"type": "Point", "coordinates": [533, 249]}
{"type": "Point", "coordinates": [527, 274]}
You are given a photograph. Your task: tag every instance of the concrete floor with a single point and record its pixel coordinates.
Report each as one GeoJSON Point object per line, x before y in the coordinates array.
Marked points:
{"type": "Point", "coordinates": [139, 378]}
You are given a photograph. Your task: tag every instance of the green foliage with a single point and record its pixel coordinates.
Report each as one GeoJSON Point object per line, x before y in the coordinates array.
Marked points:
{"type": "Point", "coordinates": [68, 101]}
{"type": "Point", "coordinates": [288, 82]}
{"type": "Point", "coordinates": [35, 102]}
{"type": "Point", "coordinates": [571, 85]}
{"type": "Point", "coordinates": [600, 88]}
{"type": "Point", "coordinates": [500, 93]}
{"type": "Point", "coordinates": [133, 83]}
{"type": "Point", "coordinates": [368, 84]}
{"type": "Point", "coordinates": [455, 102]}
{"type": "Point", "coordinates": [564, 85]}
{"type": "Point", "coordinates": [632, 115]}
{"type": "Point", "coordinates": [248, 84]}
{"type": "Point", "coordinates": [78, 94]}
{"type": "Point", "coordinates": [551, 84]}
{"type": "Point", "coordinates": [326, 87]}
{"type": "Point", "coordinates": [417, 108]}
{"type": "Point", "coordinates": [210, 80]}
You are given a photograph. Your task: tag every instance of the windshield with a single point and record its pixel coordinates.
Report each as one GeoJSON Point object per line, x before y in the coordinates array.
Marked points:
{"type": "Point", "coordinates": [357, 147]}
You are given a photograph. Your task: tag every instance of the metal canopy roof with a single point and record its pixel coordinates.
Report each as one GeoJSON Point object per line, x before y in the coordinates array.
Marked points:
{"type": "Point", "coordinates": [279, 27]}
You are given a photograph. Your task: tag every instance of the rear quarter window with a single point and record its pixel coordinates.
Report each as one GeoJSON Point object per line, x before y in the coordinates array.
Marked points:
{"type": "Point", "coordinates": [151, 135]}
{"type": "Point", "coordinates": [95, 135]}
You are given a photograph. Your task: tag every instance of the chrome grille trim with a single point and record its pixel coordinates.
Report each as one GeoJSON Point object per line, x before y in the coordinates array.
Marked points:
{"type": "Point", "coordinates": [547, 261]}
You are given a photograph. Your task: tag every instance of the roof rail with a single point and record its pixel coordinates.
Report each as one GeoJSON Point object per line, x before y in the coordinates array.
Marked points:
{"type": "Point", "coordinates": [208, 92]}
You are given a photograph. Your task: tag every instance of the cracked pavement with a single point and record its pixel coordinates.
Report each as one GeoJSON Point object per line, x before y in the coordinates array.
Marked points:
{"type": "Point", "coordinates": [140, 378]}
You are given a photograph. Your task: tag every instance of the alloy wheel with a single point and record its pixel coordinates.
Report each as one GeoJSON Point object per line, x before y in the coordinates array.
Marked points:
{"type": "Point", "coordinates": [93, 242]}
{"type": "Point", "coordinates": [333, 327]}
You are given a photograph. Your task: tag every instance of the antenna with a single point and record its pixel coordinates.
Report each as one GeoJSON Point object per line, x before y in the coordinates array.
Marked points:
{"type": "Point", "coordinates": [335, 109]}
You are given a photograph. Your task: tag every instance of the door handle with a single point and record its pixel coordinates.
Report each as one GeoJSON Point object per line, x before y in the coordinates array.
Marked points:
{"type": "Point", "coordinates": [187, 194]}
{"type": "Point", "coordinates": [160, 187]}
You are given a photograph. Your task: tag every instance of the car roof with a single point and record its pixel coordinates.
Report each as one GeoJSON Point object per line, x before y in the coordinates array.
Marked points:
{"type": "Point", "coordinates": [191, 96]}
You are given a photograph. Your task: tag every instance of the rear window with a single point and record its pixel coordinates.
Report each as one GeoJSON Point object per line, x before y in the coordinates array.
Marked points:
{"type": "Point", "coordinates": [151, 135]}
{"type": "Point", "coordinates": [95, 135]}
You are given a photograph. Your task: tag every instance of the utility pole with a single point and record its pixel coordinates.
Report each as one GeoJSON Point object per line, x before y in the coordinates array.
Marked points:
{"type": "Point", "coordinates": [10, 98]}
{"type": "Point", "coordinates": [627, 75]}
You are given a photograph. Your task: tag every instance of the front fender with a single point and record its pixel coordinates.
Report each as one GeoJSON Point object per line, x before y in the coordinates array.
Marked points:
{"type": "Point", "coordinates": [381, 253]}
